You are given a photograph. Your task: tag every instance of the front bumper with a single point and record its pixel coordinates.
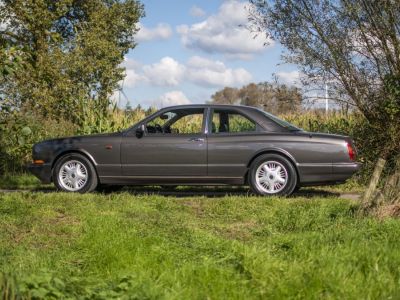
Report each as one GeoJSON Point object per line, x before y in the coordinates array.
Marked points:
{"type": "Point", "coordinates": [43, 172]}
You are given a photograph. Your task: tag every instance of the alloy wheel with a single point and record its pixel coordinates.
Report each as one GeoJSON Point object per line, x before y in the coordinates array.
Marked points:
{"type": "Point", "coordinates": [271, 177]}
{"type": "Point", "coordinates": [73, 175]}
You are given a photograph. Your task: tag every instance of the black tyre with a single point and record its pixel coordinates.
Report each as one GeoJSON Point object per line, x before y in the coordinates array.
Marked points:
{"type": "Point", "coordinates": [273, 175]}
{"type": "Point", "coordinates": [73, 172]}
{"type": "Point", "coordinates": [296, 189]}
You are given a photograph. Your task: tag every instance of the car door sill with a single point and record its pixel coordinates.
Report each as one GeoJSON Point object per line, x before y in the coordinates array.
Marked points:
{"type": "Point", "coordinates": [192, 180]}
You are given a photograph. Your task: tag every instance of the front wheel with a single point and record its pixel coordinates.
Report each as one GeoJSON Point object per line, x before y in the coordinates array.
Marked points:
{"type": "Point", "coordinates": [272, 174]}
{"type": "Point", "coordinates": [74, 173]}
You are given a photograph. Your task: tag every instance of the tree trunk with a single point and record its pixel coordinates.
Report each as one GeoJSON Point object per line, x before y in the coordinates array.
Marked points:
{"type": "Point", "coordinates": [369, 193]}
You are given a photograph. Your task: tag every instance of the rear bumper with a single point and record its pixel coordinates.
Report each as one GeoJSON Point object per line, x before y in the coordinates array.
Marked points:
{"type": "Point", "coordinates": [346, 169]}
{"type": "Point", "coordinates": [43, 172]}
{"type": "Point", "coordinates": [323, 173]}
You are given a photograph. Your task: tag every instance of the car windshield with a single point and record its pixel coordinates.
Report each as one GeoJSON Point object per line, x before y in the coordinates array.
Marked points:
{"type": "Point", "coordinates": [281, 122]}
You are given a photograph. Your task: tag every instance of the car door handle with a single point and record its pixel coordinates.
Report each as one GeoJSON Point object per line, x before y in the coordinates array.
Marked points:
{"type": "Point", "coordinates": [196, 140]}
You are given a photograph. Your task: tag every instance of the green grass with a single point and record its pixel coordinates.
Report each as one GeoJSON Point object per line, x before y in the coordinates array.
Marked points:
{"type": "Point", "coordinates": [21, 181]}
{"type": "Point", "coordinates": [29, 182]}
{"type": "Point", "coordinates": [231, 247]}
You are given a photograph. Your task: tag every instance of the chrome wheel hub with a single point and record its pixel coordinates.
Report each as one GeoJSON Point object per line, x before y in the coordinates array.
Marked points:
{"type": "Point", "coordinates": [73, 175]}
{"type": "Point", "coordinates": [271, 177]}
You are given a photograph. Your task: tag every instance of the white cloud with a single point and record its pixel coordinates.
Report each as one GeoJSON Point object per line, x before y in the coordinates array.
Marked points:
{"type": "Point", "coordinates": [132, 78]}
{"type": "Point", "coordinates": [196, 11]}
{"type": "Point", "coordinates": [133, 73]}
{"type": "Point", "coordinates": [197, 70]}
{"type": "Point", "coordinates": [289, 78]}
{"type": "Point", "coordinates": [161, 32]}
{"type": "Point", "coordinates": [223, 33]}
{"type": "Point", "coordinates": [130, 63]}
{"type": "Point", "coordinates": [173, 98]}
{"type": "Point", "coordinates": [210, 73]}
{"type": "Point", "coordinates": [167, 72]}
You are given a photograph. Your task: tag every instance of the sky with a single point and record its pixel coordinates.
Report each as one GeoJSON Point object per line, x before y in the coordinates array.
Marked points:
{"type": "Point", "coordinates": [188, 50]}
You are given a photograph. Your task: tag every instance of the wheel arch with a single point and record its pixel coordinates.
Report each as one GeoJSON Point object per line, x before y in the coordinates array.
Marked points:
{"type": "Point", "coordinates": [280, 152]}
{"type": "Point", "coordinates": [72, 151]}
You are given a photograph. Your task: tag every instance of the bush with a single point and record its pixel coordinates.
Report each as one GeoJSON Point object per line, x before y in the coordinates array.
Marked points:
{"type": "Point", "coordinates": [19, 131]}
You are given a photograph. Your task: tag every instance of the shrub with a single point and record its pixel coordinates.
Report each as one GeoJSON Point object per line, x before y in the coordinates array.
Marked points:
{"type": "Point", "coordinates": [19, 131]}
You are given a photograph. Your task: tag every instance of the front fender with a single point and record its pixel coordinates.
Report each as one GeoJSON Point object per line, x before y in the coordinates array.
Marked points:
{"type": "Point", "coordinates": [60, 152]}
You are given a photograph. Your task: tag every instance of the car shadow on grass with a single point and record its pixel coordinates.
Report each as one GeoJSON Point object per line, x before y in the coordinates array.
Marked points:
{"type": "Point", "coordinates": [216, 192]}
{"type": "Point", "coordinates": [194, 191]}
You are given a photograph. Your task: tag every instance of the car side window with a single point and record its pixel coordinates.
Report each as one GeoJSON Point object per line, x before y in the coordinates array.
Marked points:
{"type": "Point", "coordinates": [182, 121]}
{"type": "Point", "coordinates": [229, 121]}
{"type": "Point", "coordinates": [188, 124]}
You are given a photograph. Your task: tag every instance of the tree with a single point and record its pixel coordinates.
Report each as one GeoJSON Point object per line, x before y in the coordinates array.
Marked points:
{"type": "Point", "coordinates": [227, 95]}
{"type": "Point", "coordinates": [355, 44]}
{"type": "Point", "coordinates": [71, 51]}
{"type": "Point", "coordinates": [272, 97]}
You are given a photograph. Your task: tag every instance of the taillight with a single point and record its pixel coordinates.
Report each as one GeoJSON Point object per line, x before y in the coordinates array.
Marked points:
{"type": "Point", "coordinates": [351, 152]}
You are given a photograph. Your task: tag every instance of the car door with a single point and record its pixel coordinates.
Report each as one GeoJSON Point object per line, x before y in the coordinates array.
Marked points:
{"type": "Point", "coordinates": [173, 144]}
{"type": "Point", "coordinates": [230, 142]}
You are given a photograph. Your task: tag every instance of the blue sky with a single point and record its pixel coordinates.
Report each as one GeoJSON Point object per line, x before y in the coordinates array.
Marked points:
{"type": "Point", "coordinates": [187, 50]}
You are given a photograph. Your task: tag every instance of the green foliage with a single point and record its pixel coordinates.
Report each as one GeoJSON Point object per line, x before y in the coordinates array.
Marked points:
{"type": "Point", "coordinates": [10, 62]}
{"type": "Point", "coordinates": [351, 44]}
{"type": "Point", "coordinates": [71, 52]}
{"type": "Point", "coordinates": [19, 130]}
{"type": "Point", "coordinates": [48, 286]}
{"type": "Point", "coordinates": [59, 65]}
{"type": "Point", "coordinates": [151, 247]}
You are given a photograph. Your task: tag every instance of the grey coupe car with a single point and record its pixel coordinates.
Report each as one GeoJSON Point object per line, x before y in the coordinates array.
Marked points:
{"type": "Point", "coordinates": [199, 145]}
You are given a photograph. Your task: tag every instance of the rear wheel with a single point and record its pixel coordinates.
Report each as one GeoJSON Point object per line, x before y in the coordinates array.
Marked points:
{"type": "Point", "coordinates": [74, 173]}
{"type": "Point", "coordinates": [272, 174]}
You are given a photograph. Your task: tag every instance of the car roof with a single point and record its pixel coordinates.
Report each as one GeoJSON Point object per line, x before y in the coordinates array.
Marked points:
{"type": "Point", "coordinates": [210, 105]}
{"type": "Point", "coordinates": [254, 113]}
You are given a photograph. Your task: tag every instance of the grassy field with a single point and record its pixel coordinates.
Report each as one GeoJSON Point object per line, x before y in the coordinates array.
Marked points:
{"type": "Point", "coordinates": [30, 182]}
{"type": "Point", "coordinates": [230, 247]}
